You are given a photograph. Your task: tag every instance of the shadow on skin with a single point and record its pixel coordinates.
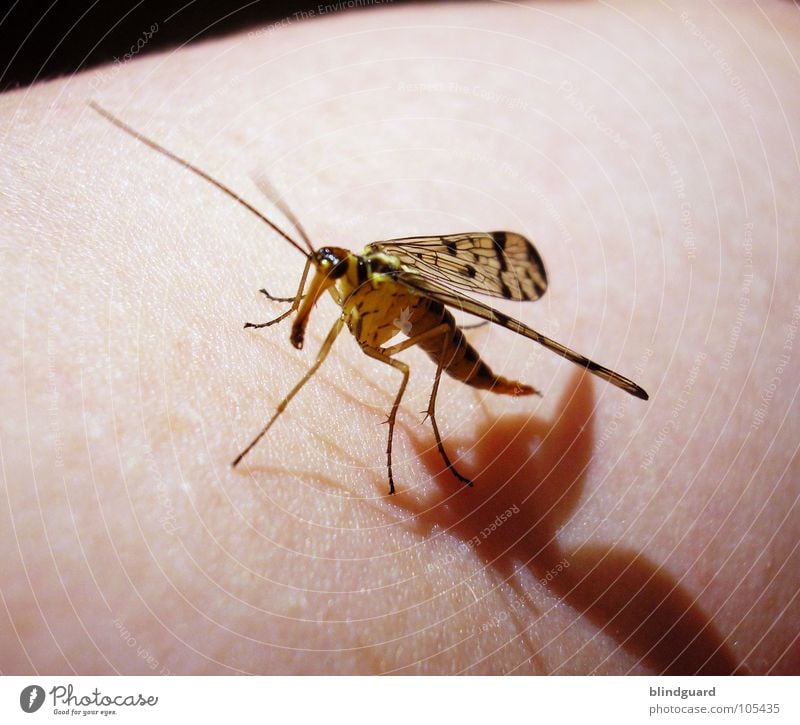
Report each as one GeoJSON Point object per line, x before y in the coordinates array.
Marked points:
{"type": "Point", "coordinates": [621, 591]}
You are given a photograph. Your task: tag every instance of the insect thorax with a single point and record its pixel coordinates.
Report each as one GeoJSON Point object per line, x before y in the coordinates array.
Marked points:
{"type": "Point", "coordinates": [377, 306]}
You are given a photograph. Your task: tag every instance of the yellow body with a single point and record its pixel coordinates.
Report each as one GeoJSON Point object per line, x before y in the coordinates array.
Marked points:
{"type": "Point", "coordinates": [377, 307]}
{"type": "Point", "coordinates": [384, 291]}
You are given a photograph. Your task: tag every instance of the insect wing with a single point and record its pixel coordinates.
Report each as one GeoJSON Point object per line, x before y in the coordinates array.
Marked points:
{"type": "Point", "coordinates": [429, 288]}
{"type": "Point", "coordinates": [499, 264]}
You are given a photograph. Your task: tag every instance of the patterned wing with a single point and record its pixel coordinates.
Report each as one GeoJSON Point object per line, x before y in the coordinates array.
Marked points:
{"type": "Point", "coordinates": [430, 288]}
{"type": "Point", "coordinates": [499, 264]}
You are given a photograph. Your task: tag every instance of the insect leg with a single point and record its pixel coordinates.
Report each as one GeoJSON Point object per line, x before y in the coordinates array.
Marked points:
{"type": "Point", "coordinates": [446, 331]}
{"type": "Point", "coordinates": [334, 293]}
{"type": "Point", "coordinates": [431, 412]}
{"type": "Point", "coordinates": [323, 353]}
{"type": "Point", "coordinates": [295, 301]}
{"type": "Point", "coordinates": [273, 298]}
{"type": "Point", "coordinates": [474, 326]}
{"type": "Point", "coordinates": [380, 354]}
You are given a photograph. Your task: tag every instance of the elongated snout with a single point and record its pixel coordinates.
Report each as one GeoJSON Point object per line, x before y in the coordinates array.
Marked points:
{"type": "Point", "coordinates": [330, 263]}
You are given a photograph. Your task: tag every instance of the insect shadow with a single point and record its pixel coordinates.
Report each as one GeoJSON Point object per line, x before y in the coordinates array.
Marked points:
{"type": "Point", "coordinates": [621, 591]}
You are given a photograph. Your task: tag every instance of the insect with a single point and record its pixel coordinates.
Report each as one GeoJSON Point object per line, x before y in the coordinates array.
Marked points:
{"type": "Point", "coordinates": [416, 280]}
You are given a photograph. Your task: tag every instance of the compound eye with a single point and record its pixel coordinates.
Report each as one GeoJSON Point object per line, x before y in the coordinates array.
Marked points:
{"type": "Point", "coordinates": [338, 270]}
{"type": "Point", "coordinates": [331, 263]}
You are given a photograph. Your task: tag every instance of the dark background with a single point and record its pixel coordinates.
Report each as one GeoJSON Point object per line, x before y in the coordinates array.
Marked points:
{"type": "Point", "coordinates": [45, 39]}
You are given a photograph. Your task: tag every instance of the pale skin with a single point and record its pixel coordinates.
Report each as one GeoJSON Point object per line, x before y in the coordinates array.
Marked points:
{"type": "Point", "coordinates": [657, 175]}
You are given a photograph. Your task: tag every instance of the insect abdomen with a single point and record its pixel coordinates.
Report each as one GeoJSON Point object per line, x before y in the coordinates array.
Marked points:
{"type": "Point", "coordinates": [461, 360]}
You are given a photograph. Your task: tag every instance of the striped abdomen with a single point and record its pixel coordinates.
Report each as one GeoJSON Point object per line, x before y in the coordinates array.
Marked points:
{"type": "Point", "coordinates": [460, 360]}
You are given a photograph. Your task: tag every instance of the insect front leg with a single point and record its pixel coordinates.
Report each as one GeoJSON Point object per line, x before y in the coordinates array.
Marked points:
{"type": "Point", "coordinates": [294, 300]}
{"type": "Point", "coordinates": [273, 298]}
{"type": "Point", "coordinates": [323, 353]}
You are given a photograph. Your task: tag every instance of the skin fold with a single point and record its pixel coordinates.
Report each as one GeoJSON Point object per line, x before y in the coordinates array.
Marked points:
{"type": "Point", "coordinates": [648, 150]}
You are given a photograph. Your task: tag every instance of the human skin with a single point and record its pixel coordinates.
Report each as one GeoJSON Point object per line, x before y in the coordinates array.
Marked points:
{"type": "Point", "coordinates": [649, 152]}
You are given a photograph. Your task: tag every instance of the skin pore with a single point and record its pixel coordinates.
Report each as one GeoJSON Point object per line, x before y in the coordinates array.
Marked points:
{"type": "Point", "coordinates": [646, 151]}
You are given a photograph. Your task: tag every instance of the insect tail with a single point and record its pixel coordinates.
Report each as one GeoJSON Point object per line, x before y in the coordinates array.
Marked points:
{"type": "Point", "coordinates": [504, 386]}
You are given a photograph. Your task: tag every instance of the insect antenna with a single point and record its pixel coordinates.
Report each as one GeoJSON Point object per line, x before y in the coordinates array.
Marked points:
{"type": "Point", "coordinates": [266, 188]}
{"type": "Point", "coordinates": [202, 174]}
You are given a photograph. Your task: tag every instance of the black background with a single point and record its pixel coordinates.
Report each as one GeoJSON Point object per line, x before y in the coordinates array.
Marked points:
{"type": "Point", "coordinates": [44, 40]}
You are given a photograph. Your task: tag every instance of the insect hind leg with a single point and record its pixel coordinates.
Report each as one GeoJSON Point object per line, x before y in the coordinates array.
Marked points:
{"type": "Point", "coordinates": [446, 331]}
{"type": "Point", "coordinates": [382, 356]}
{"type": "Point", "coordinates": [474, 325]}
{"type": "Point", "coordinates": [431, 413]}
